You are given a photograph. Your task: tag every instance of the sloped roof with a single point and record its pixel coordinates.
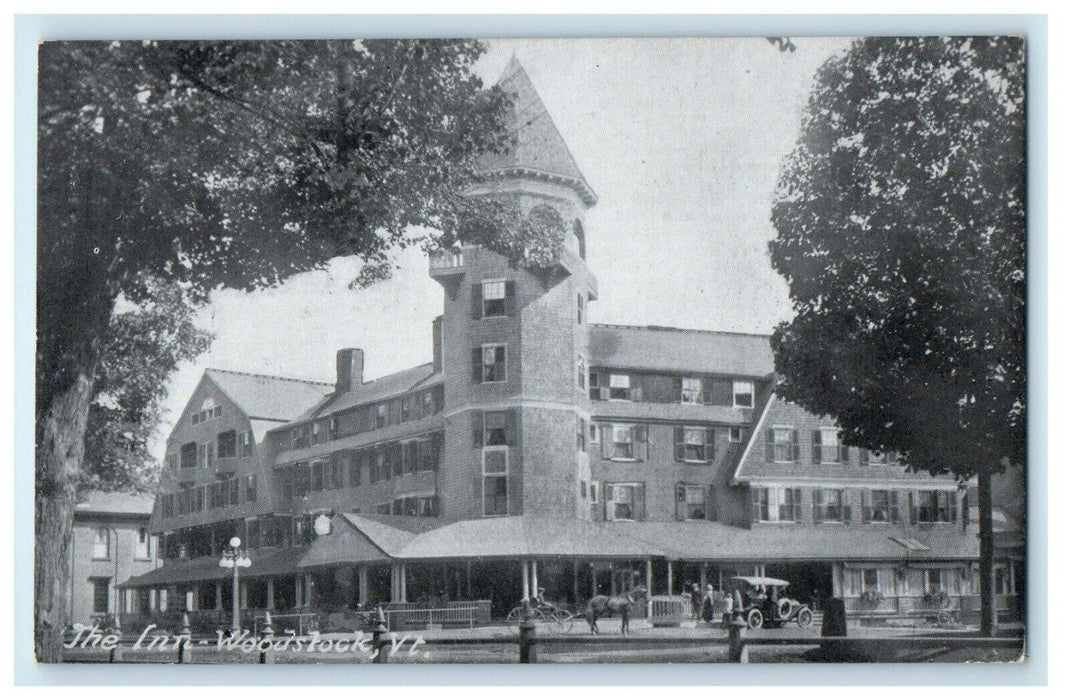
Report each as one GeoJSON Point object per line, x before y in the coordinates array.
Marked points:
{"type": "Point", "coordinates": [265, 562]}
{"type": "Point", "coordinates": [539, 147]}
{"type": "Point", "coordinates": [680, 350]}
{"type": "Point", "coordinates": [384, 387]}
{"type": "Point", "coordinates": [266, 397]}
{"type": "Point", "coordinates": [115, 503]}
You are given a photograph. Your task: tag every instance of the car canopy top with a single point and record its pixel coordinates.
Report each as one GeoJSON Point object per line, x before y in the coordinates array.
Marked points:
{"type": "Point", "coordinates": [760, 581]}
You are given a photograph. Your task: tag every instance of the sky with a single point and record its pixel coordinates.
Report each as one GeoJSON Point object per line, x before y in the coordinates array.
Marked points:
{"type": "Point", "coordinates": [682, 140]}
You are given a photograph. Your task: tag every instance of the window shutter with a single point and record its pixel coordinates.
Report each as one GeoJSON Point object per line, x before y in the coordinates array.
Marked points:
{"type": "Point", "coordinates": [681, 502]}
{"type": "Point", "coordinates": [797, 505]}
{"type": "Point", "coordinates": [816, 447]}
{"type": "Point", "coordinates": [640, 505]}
{"type": "Point", "coordinates": [707, 392]}
{"type": "Point", "coordinates": [477, 365]}
{"type": "Point", "coordinates": [912, 508]}
{"type": "Point", "coordinates": [892, 503]}
{"type": "Point", "coordinates": [477, 300]}
{"type": "Point", "coordinates": [818, 506]}
{"type": "Point", "coordinates": [952, 497]}
{"type": "Point", "coordinates": [710, 503]}
{"type": "Point", "coordinates": [510, 298]}
{"type": "Point", "coordinates": [477, 429]}
{"type": "Point", "coordinates": [677, 389]}
{"type": "Point", "coordinates": [606, 441]}
{"type": "Point", "coordinates": [844, 454]}
{"type": "Point", "coordinates": [796, 448]}
{"type": "Point", "coordinates": [636, 388]}
{"type": "Point", "coordinates": [679, 451]}
{"type": "Point", "coordinates": [755, 504]}
{"type": "Point", "coordinates": [609, 504]}
{"type": "Point", "coordinates": [847, 509]}
{"type": "Point", "coordinates": [641, 442]}
{"type": "Point", "coordinates": [477, 493]}
{"type": "Point", "coordinates": [510, 427]}
{"type": "Point", "coordinates": [710, 444]}
{"type": "Point", "coordinates": [603, 393]}
{"type": "Point", "coordinates": [866, 506]}
{"type": "Point", "coordinates": [770, 445]}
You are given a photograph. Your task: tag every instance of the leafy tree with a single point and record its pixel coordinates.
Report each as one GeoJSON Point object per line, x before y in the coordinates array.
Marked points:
{"type": "Point", "coordinates": [144, 345]}
{"type": "Point", "coordinates": [237, 164]}
{"type": "Point", "coordinates": [901, 233]}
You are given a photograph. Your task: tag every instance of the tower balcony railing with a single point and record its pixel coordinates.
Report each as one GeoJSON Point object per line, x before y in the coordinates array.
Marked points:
{"type": "Point", "coordinates": [447, 260]}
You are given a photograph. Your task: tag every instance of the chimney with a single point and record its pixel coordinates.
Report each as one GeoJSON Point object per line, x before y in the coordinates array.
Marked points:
{"type": "Point", "coordinates": [350, 369]}
{"type": "Point", "coordinates": [436, 333]}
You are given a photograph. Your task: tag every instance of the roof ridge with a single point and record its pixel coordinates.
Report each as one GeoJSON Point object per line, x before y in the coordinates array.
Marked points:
{"type": "Point", "coordinates": [267, 376]}
{"type": "Point", "coordinates": [400, 371]}
{"type": "Point", "coordinates": [655, 327]}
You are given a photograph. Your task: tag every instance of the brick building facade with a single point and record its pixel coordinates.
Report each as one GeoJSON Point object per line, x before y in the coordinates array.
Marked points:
{"type": "Point", "coordinates": [536, 449]}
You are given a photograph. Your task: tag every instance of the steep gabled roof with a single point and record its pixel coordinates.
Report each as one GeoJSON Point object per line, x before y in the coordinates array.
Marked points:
{"type": "Point", "coordinates": [109, 503]}
{"type": "Point", "coordinates": [539, 149]}
{"type": "Point", "coordinates": [382, 388]}
{"type": "Point", "coordinates": [679, 350]}
{"type": "Point", "coordinates": [266, 397]}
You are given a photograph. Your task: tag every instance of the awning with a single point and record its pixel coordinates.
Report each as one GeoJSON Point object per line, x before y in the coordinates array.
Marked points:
{"type": "Point", "coordinates": [267, 561]}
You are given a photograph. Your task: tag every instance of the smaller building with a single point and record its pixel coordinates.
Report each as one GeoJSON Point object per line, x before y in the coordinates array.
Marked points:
{"type": "Point", "coordinates": [111, 542]}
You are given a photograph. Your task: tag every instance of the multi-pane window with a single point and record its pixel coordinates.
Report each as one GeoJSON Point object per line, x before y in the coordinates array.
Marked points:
{"type": "Point", "coordinates": [735, 434]}
{"type": "Point", "coordinates": [694, 444]}
{"type": "Point", "coordinates": [143, 546]}
{"type": "Point", "coordinates": [742, 394]}
{"type": "Point", "coordinates": [691, 502]}
{"type": "Point", "coordinates": [624, 501]}
{"type": "Point", "coordinates": [866, 457]}
{"type": "Point", "coordinates": [246, 443]}
{"type": "Point", "coordinates": [226, 444]}
{"type": "Point", "coordinates": [188, 455]}
{"type": "Point", "coordinates": [488, 364]}
{"type": "Point", "coordinates": [101, 542]}
{"type": "Point", "coordinates": [691, 390]}
{"type": "Point", "coordinates": [382, 415]}
{"type": "Point", "coordinates": [205, 452]}
{"type": "Point", "coordinates": [580, 307]}
{"type": "Point", "coordinates": [829, 506]}
{"type": "Point", "coordinates": [870, 580]}
{"type": "Point", "coordinates": [781, 444]}
{"type": "Point", "coordinates": [356, 461]}
{"type": "Point", "coordinates": [206, 414]}
{"type": "Point", "coordinates": [595, 386]}
{"type": "Point", "coordinates": [495, 481]}
{"type": "Point", "coordinates": [826, 447]}
{"type": "Point", "coordinates": [406, 409]}
{"type": "Point", "coordinates": [234, 497]}
{"type": "Point", "coordinates": [494, 298]}
{"type": "Point", "coordinates": [620, 387]}
{"type": "Point", "coordinates": [580, 433]}
{"type": "Point", "coordinates": [622, 441]}
{"type": "Point", "coordinates": [250, 488]}
{"type": "Point", "coordinates": [935, 507]}
{"type": "Point", "coordinates": [776, 504]}
{"type": "Point", "coordinates": [497, 428]}
{"type": "Point", "coordinates": [101, 594]}
{"type": "Point", "coordinates": [882, 507]}
{"type": "Point", "coordinates": [426, 404]}
{"type": "Point", "coordinates": [581, 373]}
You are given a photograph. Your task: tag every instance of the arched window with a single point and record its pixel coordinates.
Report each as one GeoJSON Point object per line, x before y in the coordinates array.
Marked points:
{"type": "Point", "coordinates": [580, 238]}
{"type": "Point", "coordinates": [100, 543]}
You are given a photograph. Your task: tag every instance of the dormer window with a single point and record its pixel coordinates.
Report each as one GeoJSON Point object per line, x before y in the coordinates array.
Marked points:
{"type": "Point", "coordinates": [691, 390]}
{"type": "Point", "coordinates": [742, 392]}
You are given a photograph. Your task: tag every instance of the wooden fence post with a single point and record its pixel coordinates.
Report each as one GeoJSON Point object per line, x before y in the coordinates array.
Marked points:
{"type": "Point", "coordinates": [528, 647]}
{"type": "Point", "coordinates": [379, 643]}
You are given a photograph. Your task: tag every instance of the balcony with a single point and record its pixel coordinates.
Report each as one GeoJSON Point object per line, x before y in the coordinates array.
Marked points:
{"type": "Point", "coordinates": [446, 263]}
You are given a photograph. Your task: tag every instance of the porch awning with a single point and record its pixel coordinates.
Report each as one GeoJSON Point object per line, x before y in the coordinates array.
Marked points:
{"type": "Point", "coordinates": [265, 562]}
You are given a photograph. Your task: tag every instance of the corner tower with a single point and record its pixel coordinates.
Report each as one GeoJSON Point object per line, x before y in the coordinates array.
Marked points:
{"type": "Point", "coordinates": [515, 341]}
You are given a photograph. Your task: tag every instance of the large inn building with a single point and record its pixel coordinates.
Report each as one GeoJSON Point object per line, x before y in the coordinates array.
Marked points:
{"type": "Point", "coordinates": [538, 450]}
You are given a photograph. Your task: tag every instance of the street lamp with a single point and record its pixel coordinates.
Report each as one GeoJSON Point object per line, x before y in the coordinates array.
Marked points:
{"type": "Point", "coordinates": [236, 558]}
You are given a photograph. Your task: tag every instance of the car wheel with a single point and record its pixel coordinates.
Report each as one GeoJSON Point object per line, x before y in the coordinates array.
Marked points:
{"type": "Point", "coordinates": [805, 617]}
{"type": "Point", "coordinates": [755, 619]}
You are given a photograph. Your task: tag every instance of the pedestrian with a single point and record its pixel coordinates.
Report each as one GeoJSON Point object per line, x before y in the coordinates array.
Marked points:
{"type": "Point", "coordinates": [708, 601]}
{"type": "Point", "coordinates": [696, 600]}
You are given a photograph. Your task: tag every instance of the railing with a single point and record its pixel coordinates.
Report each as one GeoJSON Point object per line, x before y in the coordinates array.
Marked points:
{"type": "Point", "coordinates": [446, 259]}
{"type": "Point", "coordinates": [301, 623]}
{"type": "Point", "coordinates": [461, 612]}
{"type": "Point", "coordinates": [670, 609]}
{"type": "Point", "coordinates": [919, 605]}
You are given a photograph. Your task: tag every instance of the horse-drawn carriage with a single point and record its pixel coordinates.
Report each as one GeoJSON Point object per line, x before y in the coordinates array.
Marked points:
{"type": "Point", "coordinates": [765, 602]}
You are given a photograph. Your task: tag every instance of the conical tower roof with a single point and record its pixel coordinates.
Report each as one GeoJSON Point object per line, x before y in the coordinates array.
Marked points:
{"type": "Point", "coordinates": [539, 150]}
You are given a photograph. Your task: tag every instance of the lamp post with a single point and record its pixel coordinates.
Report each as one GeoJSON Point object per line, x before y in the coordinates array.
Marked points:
{"type": "Point", "coordinates": [236, 558]}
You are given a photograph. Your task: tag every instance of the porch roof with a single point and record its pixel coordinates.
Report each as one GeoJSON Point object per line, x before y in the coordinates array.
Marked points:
{"type": "Point", "coordinates": [265, 562]}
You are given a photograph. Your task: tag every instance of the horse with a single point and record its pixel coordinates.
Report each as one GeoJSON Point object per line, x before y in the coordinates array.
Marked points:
{"type": "Point", "coordinates": [606, 606]}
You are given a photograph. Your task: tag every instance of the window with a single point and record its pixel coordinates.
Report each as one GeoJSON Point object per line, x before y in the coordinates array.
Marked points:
{"type": "Point", "coordinates": [234, 497]}
{"type": "Point", "coordinates": [870, 580]}
{"type": "Point", "coordinates": [188, 455]}
{"type": "Point", "coordinates": [826, 447]}
{"type": "Point", "coordinates": [494, 295]}
{"type": "Point", "coordinates": [624, 501]}
{"type": "Point", "coordinates": [595, 387]}
{"type": "Point", "coordinates": [882, 507]}
{"type": "Point", "coordinates": [866, 457]}
{"type": "Point", "coordinates": [776, 504]}
{"type": "Point", "coordinates": [406, 409]}
{"type": "Point", "coordinates": [496, 428]}
{"type": "Point", "coordinates": [101, 543]}
{"type": "Point", "coordinates": [581, 373]}
{"type": "Point", "coordinates": [691, 391]}
{"type": "Point", "coordinates": [935, 507]}
{"type": "Point", "coordinates": [742, 393]}
{"type": "Point", "coordinates": [694, 444]}
{"type": "Point", "coordinates": [167, 505]}
{"type": "Point", "coordinates": [250, 488]}
{"type": "Point", "coordinates": [935, 580]}
{"type": "Point", "coordinates": [735, 434]}
{"type": "Point", "coordinates": [781, 445]}
{"type": "Point", "coordinates": [172, 462]}
{"type": "Point", "coordinates": [488, 364]}
{"type": "Point", "coordinates": [205, 452]}
{"type": "Point", "coordinates": [246, 443]}
{"type": "Point", "coordinates": [620, 387]}
{"type": "Point", "coordinates": [691, 502]}
{"type": "Point", "coordinates": [495, 481]}
{"type": "Point", "coordinates": [426, 404]}
{"type": "Point", "coordinates": [580, 433]}
{"type": "Point", "coordinates": [226, 444]}
{"type": "Point", "coordinates": [317, 476]}
{"type": "Point", "coordinates": [580, 307]}
{"type": "Point", "coordinates": [356, 462]}
{"type": "Point", "coordinates": [101, 594]}
{"type": "Point", "coordinates": [383, 509]}
{"type": "Point", "coordinates": [623, 442]}
{"type": "Point", "coordinates": [829, 506]}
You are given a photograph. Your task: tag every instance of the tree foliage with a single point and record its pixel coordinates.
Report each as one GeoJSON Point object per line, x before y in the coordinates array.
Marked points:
{"type": "Point", "coordinates": [901, 233]}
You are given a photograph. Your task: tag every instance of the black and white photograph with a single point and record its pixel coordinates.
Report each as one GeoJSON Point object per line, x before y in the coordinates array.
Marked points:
{"type": "Point", "coordinates": [704, 350]}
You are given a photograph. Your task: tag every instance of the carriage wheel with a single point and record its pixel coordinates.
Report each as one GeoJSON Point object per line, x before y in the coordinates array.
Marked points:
{"type": "Point", "coordinates": [515, 617]}
{"type": "Point", "coordinates": [755, 619]}
{"type": "Point", "coordinates": [562, 621]}
{"type": "Point", "coordinates": [805, 617]}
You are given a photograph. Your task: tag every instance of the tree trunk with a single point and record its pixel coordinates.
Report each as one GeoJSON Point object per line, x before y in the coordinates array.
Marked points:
{"type": "Point", "coordinates": [60, 448]}
{"type": "Point", "coordinates": [988, 611]}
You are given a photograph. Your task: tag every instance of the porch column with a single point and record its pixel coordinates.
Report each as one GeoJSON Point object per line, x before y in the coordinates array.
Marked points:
{"type": "Point", "coordinates": [702, 578]}
{"type": "Point", "coordinates": [670, 589]}
{"type": "Point", "coordinates": [468, 563]}
{"type": "Point", "coordinates": [361, 583]}
{"type": "Point", "coordinates": [153, 603]}
{"type": "Point", "coordinates": [649, 589]}
{"type": "Point", "coordinates": [244, 589]}
{"type": "Point", "coordinates": [218, 595]}
{"type": "Point", "coordinates": [270, 595]}
{"type": "Point", "coordinates": [534, 576]}
{"type": "Point", "coordinates": [306, 590]}
{"type": "Point", "coordinates": [575, 581]}
{"type": "Point", "coordinates": [593, 580]}
{"type": "Point", "coordinates": [191, 600]}
{"type": "Point", "coordinates": [526, 582]}
{"type": "Point", "coordinates": [404, 583]}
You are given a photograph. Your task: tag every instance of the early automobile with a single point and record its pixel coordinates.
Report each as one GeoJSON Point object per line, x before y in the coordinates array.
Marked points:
{"type": "Point", "coordinates": [765, 602]}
